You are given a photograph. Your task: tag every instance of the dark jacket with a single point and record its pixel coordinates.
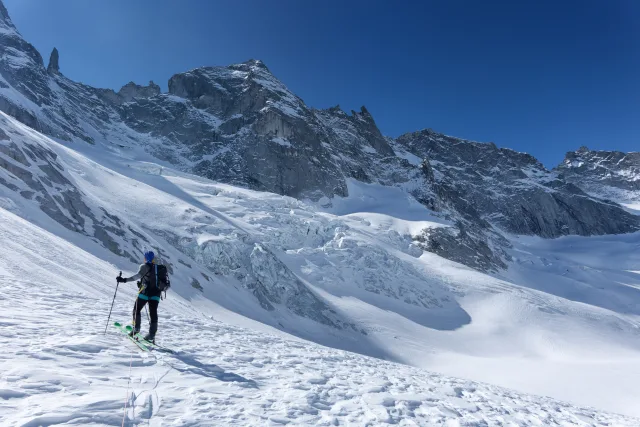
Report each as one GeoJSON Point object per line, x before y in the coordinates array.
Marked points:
{"type": "Point", "coordinates": [149, 289]}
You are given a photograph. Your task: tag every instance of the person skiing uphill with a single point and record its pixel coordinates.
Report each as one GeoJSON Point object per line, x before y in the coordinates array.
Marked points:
{"type": "Point", "coordinates": [151, 286]}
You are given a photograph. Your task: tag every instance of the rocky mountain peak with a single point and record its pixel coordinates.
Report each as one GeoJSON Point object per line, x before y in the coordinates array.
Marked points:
{"type": "Point", "coordinates": [428, 142]}
{"type": "Point", "coordinates": [363, 114]}
{"type": "Point", "coordinates": [54, 66]}
{"type": "Point", "coordinates": [256, 63]}
{"type": "Point", "coordinates": [250, 66]}
{"type": "Point", "coordinates": [336, 110]}
{"type": "Point", "coordinates": [237, 89]}
{"type": "Point", "coordinates": [5, 20]}
{"type": "Point", "coordinates": [511, 190]}
{"type": "Point", "coordinates": [131, 91]}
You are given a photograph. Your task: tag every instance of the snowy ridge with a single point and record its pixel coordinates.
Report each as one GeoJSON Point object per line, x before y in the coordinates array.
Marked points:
{"type": "Point", "coordinates": [511, 191]}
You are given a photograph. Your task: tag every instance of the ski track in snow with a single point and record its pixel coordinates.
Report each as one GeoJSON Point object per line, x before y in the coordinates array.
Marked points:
{"type": "Point", "coordinates": [58, 368]}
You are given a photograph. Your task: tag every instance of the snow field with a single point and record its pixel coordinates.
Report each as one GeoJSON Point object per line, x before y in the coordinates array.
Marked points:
{"type": "Point", "coordinates": [226, 376]}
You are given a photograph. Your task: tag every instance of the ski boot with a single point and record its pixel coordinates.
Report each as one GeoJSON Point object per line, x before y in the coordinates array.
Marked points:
{"type": "Point", "coordinates": [151, 336]}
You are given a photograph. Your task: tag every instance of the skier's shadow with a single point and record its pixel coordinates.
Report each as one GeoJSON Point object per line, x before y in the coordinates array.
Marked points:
{"type": "Point", "coordinates": [194, 366]}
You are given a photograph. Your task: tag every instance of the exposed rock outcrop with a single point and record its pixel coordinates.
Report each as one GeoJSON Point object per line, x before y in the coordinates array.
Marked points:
{"type": "Point", "coordinates": [54, 59]}
{"type": "Point", "coordinates": [131, 91]}
{"type": "Point", "coordinates": [610, 175]}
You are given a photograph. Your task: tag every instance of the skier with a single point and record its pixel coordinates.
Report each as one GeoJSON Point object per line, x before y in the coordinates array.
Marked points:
{"type": "Point", "coordinates": [149, 292]}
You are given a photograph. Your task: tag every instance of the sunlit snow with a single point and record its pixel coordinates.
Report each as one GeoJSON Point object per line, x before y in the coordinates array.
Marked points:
{"type": "Point", "coordinates": [395, 329]}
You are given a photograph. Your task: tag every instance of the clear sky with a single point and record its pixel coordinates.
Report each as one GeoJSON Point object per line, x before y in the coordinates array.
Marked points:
{"type": "Point", "coordinates": [540, 76]}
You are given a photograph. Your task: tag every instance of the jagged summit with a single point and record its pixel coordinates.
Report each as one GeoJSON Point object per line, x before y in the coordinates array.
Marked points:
{"type": "Point", "coordinates": [512, 190]}
{"type": "Point", "coordinates": [131, 91]}
{"type": "Point", "coordinates": [336, 109]}
{"type": "Point", "coordinates": [251, 64]}
{"type": "Point", "coordinates": [54, 66]}
{"type": "Point", "coordinates": [363, 113]}
{"type": "Point", "coordinates": [5, 19]}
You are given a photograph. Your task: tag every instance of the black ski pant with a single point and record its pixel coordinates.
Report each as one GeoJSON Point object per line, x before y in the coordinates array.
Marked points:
{"type": "Point", "coordinates": [153, 312]}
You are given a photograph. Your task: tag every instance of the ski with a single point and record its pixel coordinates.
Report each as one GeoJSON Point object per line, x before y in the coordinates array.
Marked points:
{"type": "Point", "coordinates": [125, 330]}
{"type": "Point", "coordinates": [140, 341]}
{"type": "Point", "coordinates": [153, 345]}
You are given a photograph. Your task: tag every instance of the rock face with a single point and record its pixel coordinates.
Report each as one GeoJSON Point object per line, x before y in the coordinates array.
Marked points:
{"type": "Point", "coordinates": [606, 174]}
{"type": "Point", "coordinates": [240, 125]}
{"type": "Point", "coordinates": [131, 91]}
{"type": "Point", "coordinates": [22, 75]}
{"type": "Point", "coordinates": [54, 66]}
{"type": "Point", "coordinates": [512, 190]}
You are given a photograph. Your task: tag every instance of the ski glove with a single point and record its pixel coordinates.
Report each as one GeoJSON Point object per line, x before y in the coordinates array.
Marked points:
{"type": "Point", "coordinates": [121, 279]}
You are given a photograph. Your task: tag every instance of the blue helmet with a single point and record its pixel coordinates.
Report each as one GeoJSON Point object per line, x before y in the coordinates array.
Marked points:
{"type": "Point", "coordinates": [149, 256]}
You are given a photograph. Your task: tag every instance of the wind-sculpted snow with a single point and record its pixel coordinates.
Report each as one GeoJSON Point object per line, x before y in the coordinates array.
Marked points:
{"type": "Point", "coordinates": [227, 376]}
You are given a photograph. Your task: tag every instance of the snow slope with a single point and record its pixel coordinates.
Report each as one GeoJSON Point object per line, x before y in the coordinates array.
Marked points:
{"type": "Point", "coordinates": [57, 368]}
{"type": "Point", "coordinates": [258, 276]}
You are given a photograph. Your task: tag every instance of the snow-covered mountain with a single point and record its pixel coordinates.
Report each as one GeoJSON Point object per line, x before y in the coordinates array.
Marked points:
{"type": "Point", "coordinates": [240, 125]}
{"type": "Point", "coordinates": [611, 175]}
{"type": "Point", "coordinates": [285, 229]}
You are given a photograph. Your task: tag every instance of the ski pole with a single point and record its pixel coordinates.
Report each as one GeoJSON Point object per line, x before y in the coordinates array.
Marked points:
{"type": "Point", "coordinates": [114, 300]}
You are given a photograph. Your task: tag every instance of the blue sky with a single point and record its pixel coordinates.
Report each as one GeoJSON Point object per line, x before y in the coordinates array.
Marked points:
{"type": "Point", "coordinates": [543, 77]}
